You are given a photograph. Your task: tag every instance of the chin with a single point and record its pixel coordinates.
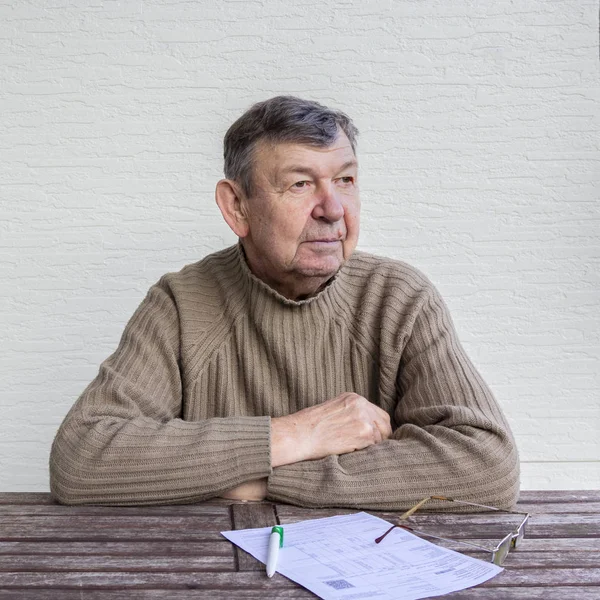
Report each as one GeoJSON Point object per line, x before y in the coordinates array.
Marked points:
{"type": "Point", "coordinates": [323, 269]}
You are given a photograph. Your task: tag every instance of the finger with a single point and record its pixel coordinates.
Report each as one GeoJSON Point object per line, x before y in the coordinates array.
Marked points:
{"type": "Point", "coordinates": [382, 420]}
{"type": "Point", "coordinates": [377, 435]}
{"type": "Point", "coordinates": [372, 414]}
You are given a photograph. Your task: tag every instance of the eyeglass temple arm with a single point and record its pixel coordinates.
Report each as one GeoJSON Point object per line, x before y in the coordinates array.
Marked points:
{"type": "Point", "coordinates": [502, 510]}
{"type": "Point", "coordinates": [417, 506]}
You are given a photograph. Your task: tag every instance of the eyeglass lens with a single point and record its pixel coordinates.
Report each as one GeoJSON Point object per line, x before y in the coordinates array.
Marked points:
{"type": "Point", "coordinates": [501, 551]}
{"type": "Point", "coordinates": [520, 533]}
{"type": "Point", "coordinates": [512, 540]}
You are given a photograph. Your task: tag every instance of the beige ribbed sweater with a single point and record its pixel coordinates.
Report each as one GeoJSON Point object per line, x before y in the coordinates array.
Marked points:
{"type": "Point", "coordinates": [181, 411]}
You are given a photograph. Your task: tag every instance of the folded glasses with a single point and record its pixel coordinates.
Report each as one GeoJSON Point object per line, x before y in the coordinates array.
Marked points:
{"type": "Point", "coordinates": [499, 553]}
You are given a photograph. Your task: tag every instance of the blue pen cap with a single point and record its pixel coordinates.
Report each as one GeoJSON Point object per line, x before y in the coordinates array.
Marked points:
{"type": "Point", "coordinates": [278, 530]}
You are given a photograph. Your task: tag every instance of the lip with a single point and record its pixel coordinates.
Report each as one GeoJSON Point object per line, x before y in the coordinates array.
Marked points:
{"type": "Point", "coordinates": [325, 241]}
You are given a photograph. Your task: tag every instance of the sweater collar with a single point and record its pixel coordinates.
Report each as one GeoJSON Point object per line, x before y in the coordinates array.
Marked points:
{"type": "Point", "coordinates": [258, 287]}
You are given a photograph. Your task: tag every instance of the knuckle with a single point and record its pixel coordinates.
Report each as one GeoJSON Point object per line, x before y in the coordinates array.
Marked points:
{"type": "Point", "coordinates": [365, 430]}
{"type": "Point", "coordinates": [351, 400]}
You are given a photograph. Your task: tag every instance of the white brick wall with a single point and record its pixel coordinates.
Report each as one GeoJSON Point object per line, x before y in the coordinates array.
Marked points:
{"type": "Point", "coordinates": [480, 164]}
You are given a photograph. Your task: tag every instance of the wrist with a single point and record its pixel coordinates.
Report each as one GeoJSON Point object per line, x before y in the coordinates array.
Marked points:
{"type": "Point", "coordinates": [289, 442]}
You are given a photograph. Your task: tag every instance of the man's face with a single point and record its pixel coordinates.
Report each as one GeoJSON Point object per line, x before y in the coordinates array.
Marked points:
{"type": "Point", "coordinates": [303, 219]}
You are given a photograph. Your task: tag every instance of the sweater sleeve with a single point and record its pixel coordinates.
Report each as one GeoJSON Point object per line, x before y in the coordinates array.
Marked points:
{"type": "Point", "coordinates": [124, 441]}
{"type": "Point", "coordinates": [451, 438]}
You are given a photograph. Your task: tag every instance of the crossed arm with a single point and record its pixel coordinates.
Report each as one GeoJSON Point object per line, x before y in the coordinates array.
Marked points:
{"type": "Point", "coordinates": [341, 425]}
{"type": "Point", "coordinates": [125, 443]}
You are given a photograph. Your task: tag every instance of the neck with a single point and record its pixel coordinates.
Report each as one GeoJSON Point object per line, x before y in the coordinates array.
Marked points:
{"type": "Point", "coordinates": [292, 288]}
{"type": "Point", "coordinates": [302, 292]}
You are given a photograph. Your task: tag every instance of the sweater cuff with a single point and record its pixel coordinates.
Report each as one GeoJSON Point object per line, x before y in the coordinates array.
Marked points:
{"type": "Point", "coordinates": [250, 451]}
{"type": "Point", "coordinates": [301, 484]}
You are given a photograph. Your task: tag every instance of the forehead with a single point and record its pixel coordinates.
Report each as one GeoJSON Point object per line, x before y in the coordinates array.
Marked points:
{"type": "Point", "coordinates": [276, 160]}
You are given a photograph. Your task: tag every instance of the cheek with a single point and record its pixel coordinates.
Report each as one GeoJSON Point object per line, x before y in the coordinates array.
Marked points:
{"type": "Point", "coordinates": [296, 220]}
{"type": "Point", "coordinates": [353, 220]}
{"type": "Point", "coordinates": [285, 229]}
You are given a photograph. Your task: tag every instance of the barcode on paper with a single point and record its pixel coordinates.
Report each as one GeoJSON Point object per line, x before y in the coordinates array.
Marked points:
{"type": "Point", "coordinates": [339, 584]}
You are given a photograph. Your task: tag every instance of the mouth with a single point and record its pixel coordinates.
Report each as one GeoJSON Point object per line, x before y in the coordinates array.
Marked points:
{"type": "Point", "coordinates": [324, 246]}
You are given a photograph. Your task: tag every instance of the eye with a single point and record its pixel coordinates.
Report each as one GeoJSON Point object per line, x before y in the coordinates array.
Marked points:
{"type": "Point", "coordinates": [346, 180]}
{"type": "Point", "coordinates": [300, 185]}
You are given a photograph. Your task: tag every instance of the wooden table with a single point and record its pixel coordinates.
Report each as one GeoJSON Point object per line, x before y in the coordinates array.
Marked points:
{"type": "Point", "coordinates": [176, 552]}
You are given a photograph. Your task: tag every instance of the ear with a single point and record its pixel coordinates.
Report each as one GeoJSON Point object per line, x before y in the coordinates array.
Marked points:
{"type": "Point", "coordinates": [232, 206]}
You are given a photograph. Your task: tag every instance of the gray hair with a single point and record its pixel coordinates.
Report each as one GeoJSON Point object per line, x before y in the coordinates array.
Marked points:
{"type": "Point", "coordinates": [277, 120]}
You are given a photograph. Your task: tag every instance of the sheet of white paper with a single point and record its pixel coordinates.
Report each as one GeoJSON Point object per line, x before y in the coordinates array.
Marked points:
{"type": "Point", "coordinates": [337, 558]}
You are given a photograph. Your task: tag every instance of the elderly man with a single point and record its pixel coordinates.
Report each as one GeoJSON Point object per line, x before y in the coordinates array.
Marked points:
{"type": "Point", "coordinates": [288, 366]}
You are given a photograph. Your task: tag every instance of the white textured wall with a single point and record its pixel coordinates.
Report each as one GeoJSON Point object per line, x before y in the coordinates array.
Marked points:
{"type": "Point", "coordinates": [480, 164]}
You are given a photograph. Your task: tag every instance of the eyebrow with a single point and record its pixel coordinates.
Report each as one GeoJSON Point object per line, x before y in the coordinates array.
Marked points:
{"type": "Point", "coordinates": [309, 171]}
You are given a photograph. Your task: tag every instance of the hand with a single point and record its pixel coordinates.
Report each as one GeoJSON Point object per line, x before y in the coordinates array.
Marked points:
{"type": "Point", "coordinates": [343, 424]}
{"type": "Point", "coordinates": [255, 490]}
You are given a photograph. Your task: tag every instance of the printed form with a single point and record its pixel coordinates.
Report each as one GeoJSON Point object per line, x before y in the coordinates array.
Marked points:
{"type": "Point", "coordinates": [337, 558]}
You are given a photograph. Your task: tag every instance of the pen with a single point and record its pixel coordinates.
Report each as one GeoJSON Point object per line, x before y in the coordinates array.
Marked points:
{"type": "Point", "coordinates": [275, 542]}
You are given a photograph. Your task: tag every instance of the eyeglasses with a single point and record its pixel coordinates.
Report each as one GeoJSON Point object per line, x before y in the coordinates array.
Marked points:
{"type": "Point", "coordinates": [499, 553]}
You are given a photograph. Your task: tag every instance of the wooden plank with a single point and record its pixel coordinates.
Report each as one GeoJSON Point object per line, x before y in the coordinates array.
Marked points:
{"type": "Point", "coordinates": [533, 546]}
{"type": "Point", "coordinates": [530, 545]}
{"type": "Point", "coordinates": [87, 527]}
{"type": "Point", "coordinates": [139, 536]}
{"type": "Point", "coordinates": [98, 562]}
{"type": "Point", "coordinates": [559, 496]}
{"type": "Point", "coordinates": [539, 526]}
{"type": "Point", "coordinates": [288, 512]}
{"type": "Point", "coordinates": [160, 594]}
{"type": "Point", "coordinates": [46, 498]}
{"type": "Point", "coordinates": [573, 547]}
{"type": "Point", "coordinates": [544, 560]}
{"type": "Point", "coordinates": [218, 547]}
{"type": "Point", "coordinates": [174, 522]}
{"type": "Point", "coordinates": [529, 593]}
{"type": "Point", "coordinates": [78, 528]}
{"type": "Point", "coordinates": [222, 547]}
{"type": "Point", "coordinates": [139, 580]}
{"type": "Point", "coordinates": [517, 559]}
{"type": "Point", "coordinates": [475, 524]}
{"type": "Point", "coordinates": [560, 507]}
{"type": "Point", "coordinates": [26, 498]}
{"type": "Point", "coordinates": [247, 516]}
{"type": "Point", "coordinates": [545, 577]}
{"type": "Point", "coordinates": [77, 534]}
{"type": "Point", "coordinates": [552, 560]}
{"type": "Point", "coordinates": [220, 562]}
{"type": "Point", "coordinates": [486, 519]}
{"type": "Point", "coordinates": [258, 580]}
{"type": "Point", "coordinates": [58, 510]}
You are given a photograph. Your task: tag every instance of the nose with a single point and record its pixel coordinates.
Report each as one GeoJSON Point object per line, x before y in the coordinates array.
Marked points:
{"type": "Point", "coordinates": [329, 207]}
